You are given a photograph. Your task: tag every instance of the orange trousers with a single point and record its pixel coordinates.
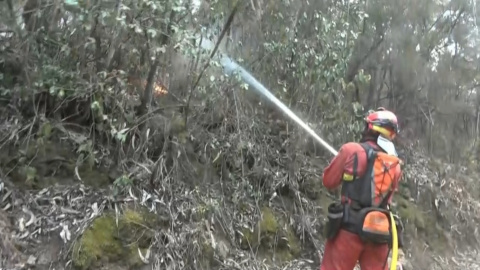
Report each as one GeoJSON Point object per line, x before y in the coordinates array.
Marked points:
{"type": "Point", "coordinates": [343, 252]}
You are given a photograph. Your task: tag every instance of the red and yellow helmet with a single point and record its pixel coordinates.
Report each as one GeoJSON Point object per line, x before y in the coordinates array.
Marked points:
{"type": "Point", "coordinates": [383, 121]}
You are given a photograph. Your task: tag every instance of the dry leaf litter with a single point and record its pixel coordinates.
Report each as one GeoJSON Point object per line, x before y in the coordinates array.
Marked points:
{"type": "Point", "coordinates": [31, 220]}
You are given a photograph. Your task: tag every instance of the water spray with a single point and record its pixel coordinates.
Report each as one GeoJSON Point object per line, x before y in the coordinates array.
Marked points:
{"type": "Point", "coordinates": [231, 66]}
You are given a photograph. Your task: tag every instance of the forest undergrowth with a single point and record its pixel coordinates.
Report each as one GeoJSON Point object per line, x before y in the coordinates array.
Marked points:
{"type": "Point", "coordinates": [124, 146]}
{"type": "Point", "coordinates": [242, 193]}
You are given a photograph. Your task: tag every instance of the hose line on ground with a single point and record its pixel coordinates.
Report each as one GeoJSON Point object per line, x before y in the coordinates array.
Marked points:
{"type": "Point", "coordinates": [393, 264]}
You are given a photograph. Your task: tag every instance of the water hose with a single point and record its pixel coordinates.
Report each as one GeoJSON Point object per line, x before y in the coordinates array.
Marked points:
{"type": "Point", "coordinates": [393, 263]}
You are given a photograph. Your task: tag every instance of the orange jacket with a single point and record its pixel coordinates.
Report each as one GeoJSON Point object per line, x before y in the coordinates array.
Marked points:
{"type": "Point", "coordinates": [343, 162]}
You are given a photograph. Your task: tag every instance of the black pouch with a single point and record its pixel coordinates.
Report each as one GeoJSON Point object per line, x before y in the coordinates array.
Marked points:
{"type": "Point", "coordinates": [374, 225]}
{"type": "Point", "coordinates": [335, 219]}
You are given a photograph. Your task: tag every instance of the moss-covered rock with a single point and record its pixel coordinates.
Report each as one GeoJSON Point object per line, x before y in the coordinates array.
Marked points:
{"type": "Point", "coordinates": [268, 223]}
{"type": "Point", "coordinates": [105, 242]}
{"type": "Point", "coordinates": [409, 212]}
{"type": "Point", "coordinates": [97, 244]}
{"type": "Point", "coordinates": [418, 224]}
{"type": "Point", "coordinates": [273, 237]}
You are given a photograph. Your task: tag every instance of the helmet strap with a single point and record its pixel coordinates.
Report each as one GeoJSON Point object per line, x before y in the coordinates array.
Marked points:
{"type": "Point", "coordinates": [368, 134]}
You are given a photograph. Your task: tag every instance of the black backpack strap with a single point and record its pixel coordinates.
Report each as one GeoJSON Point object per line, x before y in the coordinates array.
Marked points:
{"type": "Point", "coordinates": [367, 177]}
{"type": "Point", "coordinates": [384, 202]}
{"type": "Point", "coordinates": [371, 155]}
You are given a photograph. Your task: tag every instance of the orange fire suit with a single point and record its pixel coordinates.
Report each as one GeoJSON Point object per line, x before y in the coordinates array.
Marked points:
{"type": "Point", "coordinates": [343, 251]}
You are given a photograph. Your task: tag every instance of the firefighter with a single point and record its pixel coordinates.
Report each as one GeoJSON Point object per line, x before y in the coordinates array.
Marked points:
{"type": "Point", "coordinates": [368, 173]}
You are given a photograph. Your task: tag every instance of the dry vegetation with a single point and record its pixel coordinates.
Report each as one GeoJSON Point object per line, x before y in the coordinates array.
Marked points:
{"type": "Point", "coordinates": [113, 157]}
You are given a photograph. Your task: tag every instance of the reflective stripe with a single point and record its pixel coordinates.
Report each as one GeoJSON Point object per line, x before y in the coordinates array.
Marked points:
{"type": "Point", "coordinates": [335, 215]}
{"type": "Point", "coordinates": [347, 177]}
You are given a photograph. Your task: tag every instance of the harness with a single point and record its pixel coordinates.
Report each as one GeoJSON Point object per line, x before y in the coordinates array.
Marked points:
{"type": "Point", "coordinates": [358, 194]}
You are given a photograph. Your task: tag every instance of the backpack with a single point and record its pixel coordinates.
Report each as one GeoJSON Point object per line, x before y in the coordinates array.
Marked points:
{"type": "Point", "coordinates": [366, 209]}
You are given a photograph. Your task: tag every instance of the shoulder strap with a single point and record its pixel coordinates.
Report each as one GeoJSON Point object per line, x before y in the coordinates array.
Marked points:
{"type": "Point", "coordinates": [366, 146]}
{"type": "Point", "coordinates": [384, 202]}
{"type": "Point", "coordinates": [371, 155]}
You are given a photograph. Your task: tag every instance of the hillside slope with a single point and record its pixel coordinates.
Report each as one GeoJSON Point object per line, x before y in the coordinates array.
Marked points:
{"type": "Point", "coordinates": [123, 145]}
{"type": "Point", "coordinates": [246, 200]}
